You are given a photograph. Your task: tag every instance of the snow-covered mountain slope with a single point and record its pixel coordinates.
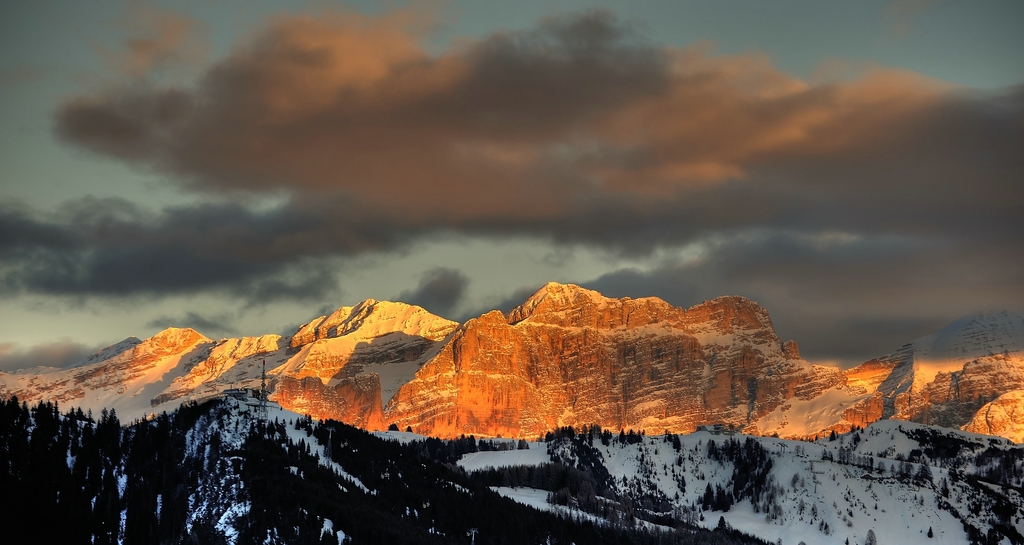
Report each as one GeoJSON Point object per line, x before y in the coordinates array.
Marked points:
{"type": "Point", "coordinates": [125, 377]}
{"type": "Point", "coordinates": [902, 481]}
{"type": "Point", "coordinates": [323, 370]}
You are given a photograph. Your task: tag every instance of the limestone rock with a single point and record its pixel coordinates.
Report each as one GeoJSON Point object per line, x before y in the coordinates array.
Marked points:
{"type": "Point", "coordinates": [569, 356]}
{"type": "Point", "coordinates": [1002, 416]}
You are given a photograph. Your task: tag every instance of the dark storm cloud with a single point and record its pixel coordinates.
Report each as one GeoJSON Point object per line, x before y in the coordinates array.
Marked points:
{"type": "Point", "coordinates": [842, 298]}
{"type": "Point", "coordinates": [112, 248]}
{"type": "Point", "coordinates": [440, 290]}
{"type": "Point", "coordinates": [57, 354]}
{"type": "Point", "coordinates": [208, 325]}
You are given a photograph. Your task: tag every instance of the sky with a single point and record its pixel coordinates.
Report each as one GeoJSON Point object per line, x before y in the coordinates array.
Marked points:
{"type": "Point", "coordinates": [241, 167]}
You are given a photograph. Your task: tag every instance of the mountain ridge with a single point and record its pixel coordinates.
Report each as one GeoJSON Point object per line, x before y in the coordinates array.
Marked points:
{"type": "Point", "coordinates": [565, 356]}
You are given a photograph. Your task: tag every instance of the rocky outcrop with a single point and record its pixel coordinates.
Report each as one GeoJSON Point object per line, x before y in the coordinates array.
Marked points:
{"type": "Point", "coordinates": [116, 376]}
{"type": "Point", "coordinates": [569, 356]}
{"type": "Point", "coordinates": [944, 379]}
{"type": "Point", "coordinates": [384, 340]}
{"type": "Point", "coordinates": [865, 412]}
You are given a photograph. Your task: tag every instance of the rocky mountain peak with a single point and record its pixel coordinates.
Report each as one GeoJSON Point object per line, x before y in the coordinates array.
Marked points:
{"type": "Point", "coordinates": [565, 356]}
{"type": "Point", "coordinates": [553, 298]}
{"type": "Point", "coordinates": [791, 349]}
{"type": "Point", "coordinates": [174, 340]}
{"type": "Point", "coordinates": [372, 318]}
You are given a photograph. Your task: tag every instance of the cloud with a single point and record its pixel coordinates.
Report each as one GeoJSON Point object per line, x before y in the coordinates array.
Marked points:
{"type": "Point", "coordinates": [440, 290]}
{"type": "Point", "coordinates": [57, 354]}
{"type": "Point", "coordinates": [20, 75]}
{"type": "Point", "coordinates": [110, 247]}
{"type": "Point", "coordinates": [579, 129]}
{"type": "Point", "coordinates": [219, 324]}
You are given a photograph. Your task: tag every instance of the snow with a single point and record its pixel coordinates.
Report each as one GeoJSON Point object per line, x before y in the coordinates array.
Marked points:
{"type": "Point", "coordinates": [537, 454]}
{"type": "Point", "coordinates": [329, 529]}
{"type": "Point", "coordinates": [798, 417]}
{"type": "Point", "coordinates": [973, 336]}
{"type": "Point", "coordinates": [538, 499]}
{"type": "Point", "coordinates": [181, 365]}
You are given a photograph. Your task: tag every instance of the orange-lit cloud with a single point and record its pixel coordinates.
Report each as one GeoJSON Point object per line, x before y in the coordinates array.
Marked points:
{"type": "Point", "coordinates": [514, 124]}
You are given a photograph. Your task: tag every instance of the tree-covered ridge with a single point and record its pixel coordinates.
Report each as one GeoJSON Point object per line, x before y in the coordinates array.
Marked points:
{"type": "Point", "coordinates": [211, 473]}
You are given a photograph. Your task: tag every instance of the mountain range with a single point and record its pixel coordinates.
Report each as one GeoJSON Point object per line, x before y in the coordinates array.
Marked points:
{"type": "Point", "coordinates": [567, 356]}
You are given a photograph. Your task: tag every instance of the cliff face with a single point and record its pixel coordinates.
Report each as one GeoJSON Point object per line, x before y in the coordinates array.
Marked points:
{"type": "Point", "coordinates": [344, 365]}
{"type": "Point", "coordinates": [569, 356]}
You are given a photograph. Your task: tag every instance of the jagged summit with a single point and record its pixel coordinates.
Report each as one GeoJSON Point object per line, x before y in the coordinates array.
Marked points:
{"type": "Point", "coordinates": [730, 313]}
{"type": "Point", "coordinates": [372, 318]}
{"type": "Point", "coordinates": [554, 297]}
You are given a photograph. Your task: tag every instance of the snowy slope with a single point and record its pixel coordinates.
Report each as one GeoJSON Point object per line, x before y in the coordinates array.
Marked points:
{"type": "Point", "coordinates": [951, 378]}
{"type": "Point", "coordinates": [819, 492]}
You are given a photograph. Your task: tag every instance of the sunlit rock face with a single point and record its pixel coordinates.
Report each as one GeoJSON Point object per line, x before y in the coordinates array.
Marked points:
{"type": "Point", "coordinates": [1003, 416]}
{"type": "Point", "coordinates": [353, 400]}
{"type": "Point", "coordinates": [569, 356]}
{"type": "Point", "coordinates": [947, 377]}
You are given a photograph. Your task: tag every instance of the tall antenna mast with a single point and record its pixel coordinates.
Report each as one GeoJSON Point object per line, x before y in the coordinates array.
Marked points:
{"type": "Point", "coordinates": [327, 448]}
